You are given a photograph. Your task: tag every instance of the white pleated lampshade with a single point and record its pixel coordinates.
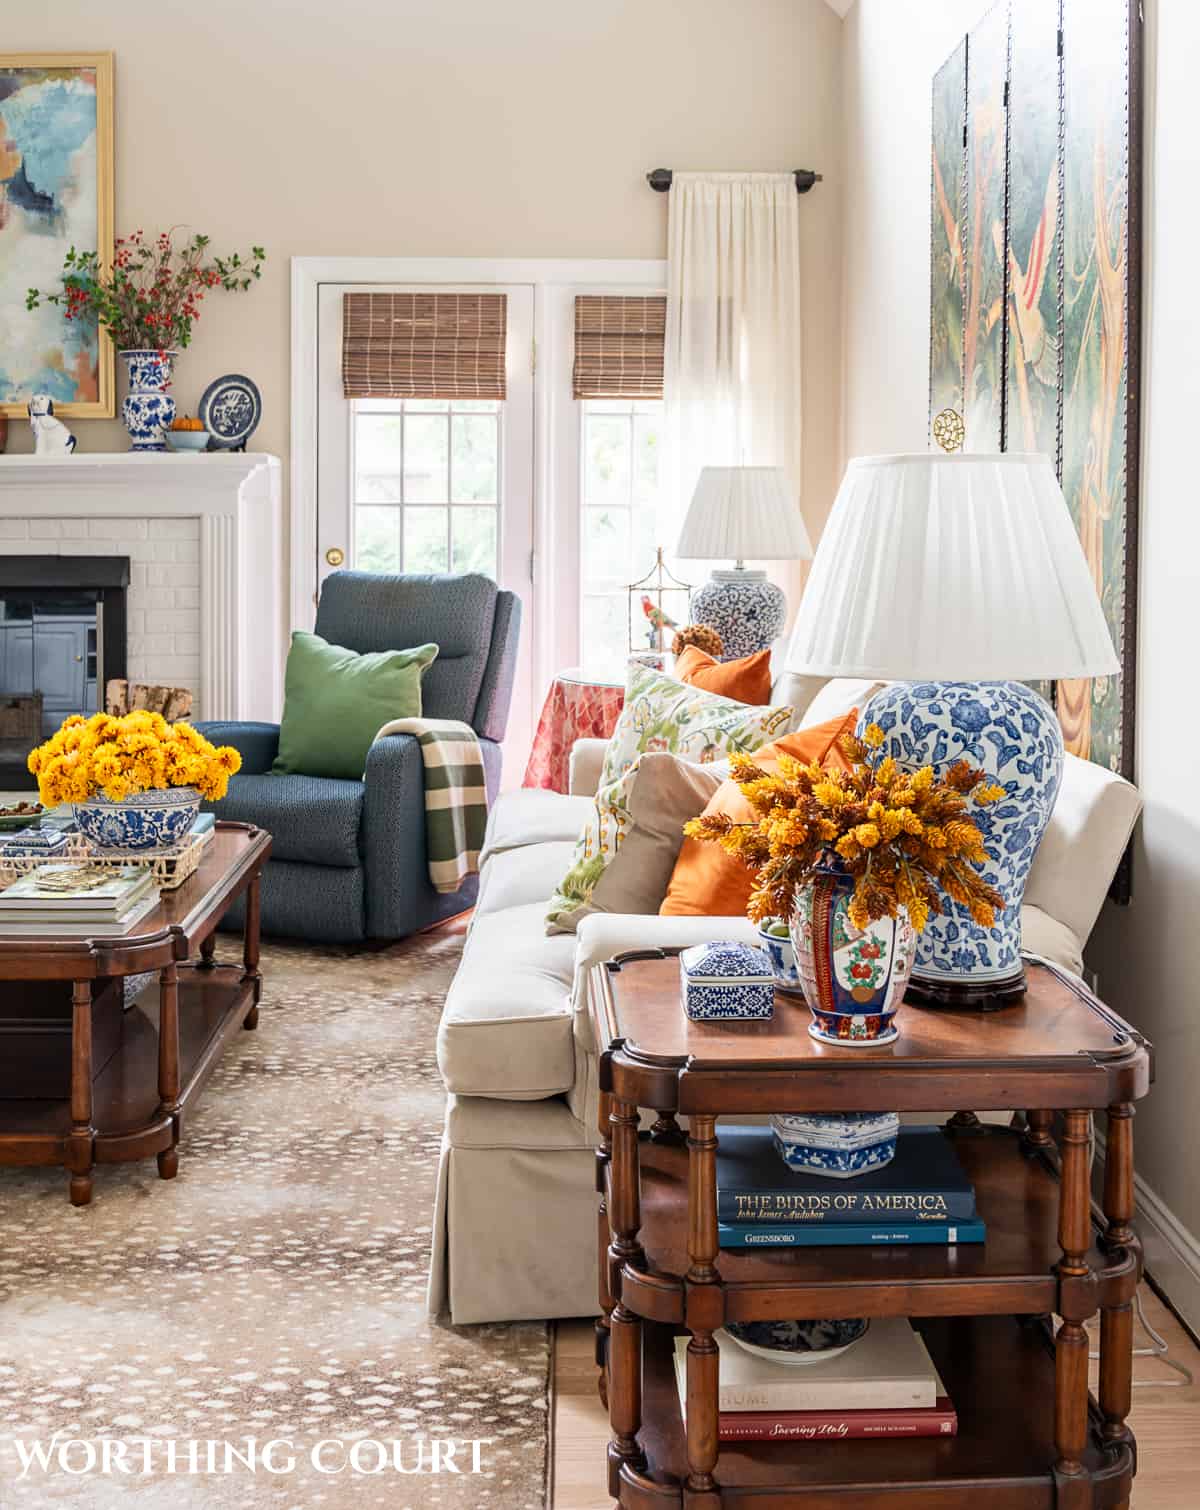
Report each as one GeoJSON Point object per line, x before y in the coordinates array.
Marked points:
{"type": "Point", "coordinates": [744, 514]}
{"type": "Point", "coordinates": [951, 568]}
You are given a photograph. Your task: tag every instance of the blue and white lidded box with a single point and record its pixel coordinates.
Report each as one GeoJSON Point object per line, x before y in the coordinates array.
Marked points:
{"type": "Point", "coordinates": [726, 979]}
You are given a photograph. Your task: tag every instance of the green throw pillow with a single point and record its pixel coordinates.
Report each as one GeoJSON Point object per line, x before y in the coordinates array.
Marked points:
{"type": "Point", "coordinates": [335, 702]}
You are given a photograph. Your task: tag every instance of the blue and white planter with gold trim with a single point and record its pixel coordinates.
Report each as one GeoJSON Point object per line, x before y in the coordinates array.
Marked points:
{"type": "Point", "coordinates": [145, 824]}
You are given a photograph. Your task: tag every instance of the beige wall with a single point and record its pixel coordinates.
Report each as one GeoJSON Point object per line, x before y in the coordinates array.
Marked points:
{"type": "Point", "coordinates": [1144, 954]}
{"type": "Point", "coordinates": [455, 128]}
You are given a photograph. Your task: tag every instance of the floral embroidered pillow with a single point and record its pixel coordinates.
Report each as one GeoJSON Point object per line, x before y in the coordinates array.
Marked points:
{"type": "Point", "coordinates": [660, 714]}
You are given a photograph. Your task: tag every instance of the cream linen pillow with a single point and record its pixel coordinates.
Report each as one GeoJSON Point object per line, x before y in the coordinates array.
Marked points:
{"type": "Point", "coordinates": [660, 715]}
{"type": "Point", "coordinates": [665, 792]}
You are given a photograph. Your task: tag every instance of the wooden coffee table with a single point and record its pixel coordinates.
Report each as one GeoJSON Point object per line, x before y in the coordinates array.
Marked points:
{"type": "Point", "coordinates": [1030, 1436]}
{"type": "Point", "coordinates": [166, 1045]}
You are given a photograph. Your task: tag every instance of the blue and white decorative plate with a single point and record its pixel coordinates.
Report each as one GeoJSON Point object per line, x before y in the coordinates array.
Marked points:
{"type": "Point", "coordinates": [230, 410]}
{"type": "Point", "coordinates": [796, 1341]}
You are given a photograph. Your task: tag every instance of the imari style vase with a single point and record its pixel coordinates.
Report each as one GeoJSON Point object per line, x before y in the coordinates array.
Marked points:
{"type": "Point", "coordinates": [853, 979]}
{"type": "Point", "coordinates": [148, 408]}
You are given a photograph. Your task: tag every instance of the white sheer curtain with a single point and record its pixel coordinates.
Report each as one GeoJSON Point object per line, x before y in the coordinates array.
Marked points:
{"type": "Point", "coordinates": [732, 375]}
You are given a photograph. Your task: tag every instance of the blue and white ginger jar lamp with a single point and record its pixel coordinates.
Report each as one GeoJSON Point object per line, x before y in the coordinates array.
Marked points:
{"type": "Point", "coordinates": [743, 514]}
{"type": "Point", "coordinates": [957, 579]}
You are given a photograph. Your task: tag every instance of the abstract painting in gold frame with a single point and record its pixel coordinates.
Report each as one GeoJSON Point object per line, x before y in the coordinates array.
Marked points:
{"type": "Point", "coordinates": [56, 191]}
{"type": "Point", "coordinates": [1047, 288]}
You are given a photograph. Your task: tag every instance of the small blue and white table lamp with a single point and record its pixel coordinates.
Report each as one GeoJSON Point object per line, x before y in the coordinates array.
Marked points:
{"type": "Point", "coordinates": [957, 578]}
{"type": "Point", "coordinates": [743, 514]}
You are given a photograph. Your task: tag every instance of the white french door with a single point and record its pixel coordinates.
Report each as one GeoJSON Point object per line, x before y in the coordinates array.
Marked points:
{"type": "Point", "coordinates": [433, 485]}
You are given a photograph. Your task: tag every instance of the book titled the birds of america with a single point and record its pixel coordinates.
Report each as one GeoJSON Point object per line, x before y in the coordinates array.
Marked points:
{"type": "Point", "coordinates": [924, 1183]}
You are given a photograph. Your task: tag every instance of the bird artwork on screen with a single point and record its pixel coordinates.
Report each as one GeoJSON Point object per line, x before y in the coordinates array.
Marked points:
{"type": "Point", "coordinates": [1035, 289]}
{"type": "Point", "coordinates": [55, 193]}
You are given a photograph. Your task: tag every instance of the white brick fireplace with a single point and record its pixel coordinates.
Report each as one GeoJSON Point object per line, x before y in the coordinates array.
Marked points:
{"type": "Point", "coordinates": [202, 534]}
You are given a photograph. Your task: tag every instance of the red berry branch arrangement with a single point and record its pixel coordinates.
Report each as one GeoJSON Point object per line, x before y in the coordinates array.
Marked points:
{"type": "Point", "coordinates": [150, 297]}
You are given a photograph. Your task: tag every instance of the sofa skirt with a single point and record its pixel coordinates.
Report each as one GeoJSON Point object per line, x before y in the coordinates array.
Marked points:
{"type": "Point", "coordinates": [514, 1235]}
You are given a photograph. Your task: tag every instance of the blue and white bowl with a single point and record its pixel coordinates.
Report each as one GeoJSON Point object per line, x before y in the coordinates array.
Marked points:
{"type": "Point", "coordinates": [778, 949]}
{"type": "Point", "coordinates": [144, 824]}
{"type": "Point", "coordinates": [797, 1341]}
{"type": "Point", "coordinates": [838, 1146]}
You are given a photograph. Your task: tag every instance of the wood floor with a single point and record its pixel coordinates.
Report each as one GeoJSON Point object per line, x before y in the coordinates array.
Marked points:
{"type": "Point", "coordinates": [1165, 1419]}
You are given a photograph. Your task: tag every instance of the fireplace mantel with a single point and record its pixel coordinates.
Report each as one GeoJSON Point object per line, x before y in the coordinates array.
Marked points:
{"type": "Point", "coordinates": [77, 505]}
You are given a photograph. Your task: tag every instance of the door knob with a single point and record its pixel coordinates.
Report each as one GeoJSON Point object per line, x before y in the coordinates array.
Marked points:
{"type": "Point", "coordinates": [335, 555]}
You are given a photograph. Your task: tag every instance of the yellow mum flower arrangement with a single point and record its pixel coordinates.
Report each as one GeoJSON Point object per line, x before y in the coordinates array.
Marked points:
{"type": "Point", "coordinates": [905, 838]}
{"type": "Point", "coordinates": [117, 758]}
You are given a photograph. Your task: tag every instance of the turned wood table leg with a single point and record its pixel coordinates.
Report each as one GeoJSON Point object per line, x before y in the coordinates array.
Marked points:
{"type": "Point", "coordinates": [1037, 1136]}
{"type": "Point", "coordinates": [250, 947]}
{"type": "Point", "coordinates": [81, 1141]}
{"type": "Point", "coordinates": [1116, 1322]}
{"type": "Point", "coordinates": [625, 1327]}
{"type": "Point", "coordinates": [168, 1063]}
{"type": "Point", "coordinates": [605, 1237]}
{"type": "Point", "coordinates": [1071, 1344]}
{"type": "Point", "coordinates": [702, 1356]}
{"type": "Point", "coordinates": [208, 950]}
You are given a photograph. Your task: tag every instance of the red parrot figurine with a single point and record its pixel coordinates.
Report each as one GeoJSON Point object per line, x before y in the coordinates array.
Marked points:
{"type": "Point", "coordinates": [660, 621]}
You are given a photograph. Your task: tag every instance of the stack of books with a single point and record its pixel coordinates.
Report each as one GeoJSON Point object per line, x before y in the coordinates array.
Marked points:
{"type": "Point", "coordinates": [77, 901]}
{"type": "Point", "coordinates": [884, 1385]}
{"type": "Point", "coordinates": [921, 1196]}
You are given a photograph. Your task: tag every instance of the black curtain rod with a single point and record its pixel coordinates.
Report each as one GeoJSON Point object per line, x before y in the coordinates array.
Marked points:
{"type": "Point", "coordinates": [660, 179]}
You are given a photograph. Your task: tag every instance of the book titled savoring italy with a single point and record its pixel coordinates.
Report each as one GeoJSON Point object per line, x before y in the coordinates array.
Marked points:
{"type": "Point", "coordinates": [924, 1183]}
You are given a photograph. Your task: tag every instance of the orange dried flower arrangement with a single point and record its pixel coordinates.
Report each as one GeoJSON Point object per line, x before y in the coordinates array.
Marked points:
{"type": "Point", "coordinates": [903, 837]}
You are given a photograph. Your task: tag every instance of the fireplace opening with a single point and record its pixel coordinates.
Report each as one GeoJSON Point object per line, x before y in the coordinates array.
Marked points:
{"type": "Point", "coordinates": [62, 637]}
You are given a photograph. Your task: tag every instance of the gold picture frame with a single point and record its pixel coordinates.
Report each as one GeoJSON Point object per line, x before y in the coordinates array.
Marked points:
{"type": "Point", "coordinates": [100, 377]}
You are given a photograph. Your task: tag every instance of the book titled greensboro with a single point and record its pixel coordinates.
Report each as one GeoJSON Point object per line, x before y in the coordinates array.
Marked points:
{"type": "Point", "coordinates": [923, 1183]}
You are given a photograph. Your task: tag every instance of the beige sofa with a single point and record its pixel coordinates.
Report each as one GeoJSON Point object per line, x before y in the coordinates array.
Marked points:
{"type": "Point", "coordinates": [515, 1224]}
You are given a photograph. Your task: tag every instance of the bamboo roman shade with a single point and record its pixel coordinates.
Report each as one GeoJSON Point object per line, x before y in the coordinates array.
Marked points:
{"type": "Point", "coordinates": [619, 345]}
{"type": "Point", "coordinates": [423, 345]}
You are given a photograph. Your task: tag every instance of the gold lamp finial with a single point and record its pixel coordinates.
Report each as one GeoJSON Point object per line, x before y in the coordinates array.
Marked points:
{"type": "Point", "coordinates": [949, 430]}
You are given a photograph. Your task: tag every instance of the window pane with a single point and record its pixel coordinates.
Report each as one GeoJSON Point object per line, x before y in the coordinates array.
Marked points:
{"type": "Point", "coordinates": [645, 543]}
{"type": "Point", "coordinates": [427, 405]}
{"type": "Point", "coordinates": [377, 458]}
{"type": "Point", "coordinates": [606, 460]}
{"type": "Point", "coordinates": [474, 458]}
{"type": "Point", "coordinates": [474, 540]}
{"type": "Point", "coordinates": [425, 540]}
{"type": "Point", "coordinates": [426, 458]}
{"type": "Point", "coordinates": [606, 547]}
{"type": "Point", "coordinates": [476, 406]}
{"type": "Point", "coordinates": [377, 539]}
{"type": "Point", "coordinates": [608, 405]}
{"type": "Point", "coordinates": [647, 450]}
{"type": "Point", "coordinates": [604, 637]}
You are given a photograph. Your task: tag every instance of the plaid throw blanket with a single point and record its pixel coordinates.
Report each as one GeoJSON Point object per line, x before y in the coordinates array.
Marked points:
{"type": "Point", "coordinates": [455, 796]}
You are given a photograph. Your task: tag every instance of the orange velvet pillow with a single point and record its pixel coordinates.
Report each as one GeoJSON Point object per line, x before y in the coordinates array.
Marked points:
{"type": "Point", "coordinates": [706, 882]}
{"type": "Point", "coordinates": [746, 681]}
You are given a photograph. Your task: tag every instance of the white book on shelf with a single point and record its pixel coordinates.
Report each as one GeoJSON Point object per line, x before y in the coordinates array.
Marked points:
{"type": "Point", "coordinates": [889, 1368]}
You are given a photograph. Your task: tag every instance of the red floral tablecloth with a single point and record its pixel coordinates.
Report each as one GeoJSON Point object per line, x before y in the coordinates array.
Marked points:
{"type": "Point", "coordinates": [575, 708]}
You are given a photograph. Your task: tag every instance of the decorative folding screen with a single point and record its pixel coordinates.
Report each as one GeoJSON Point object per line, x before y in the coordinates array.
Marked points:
{"type": "Point", "coordinates": [423, 345]}
{"type": "Point", "coordinates": [619, 344]}
{"type": "Point", "coordinates": [1036, 288]}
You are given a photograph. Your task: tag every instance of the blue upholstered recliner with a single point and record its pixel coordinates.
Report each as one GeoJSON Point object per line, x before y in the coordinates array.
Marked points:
{"type": "Point", "coordinates": [349, 860]}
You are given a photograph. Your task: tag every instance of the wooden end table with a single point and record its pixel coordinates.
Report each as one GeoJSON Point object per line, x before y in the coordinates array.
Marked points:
{"type": "Point", "coordinates": [166, 1048]}
{"type": "Point", "coordinates": [1030, 1436]}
